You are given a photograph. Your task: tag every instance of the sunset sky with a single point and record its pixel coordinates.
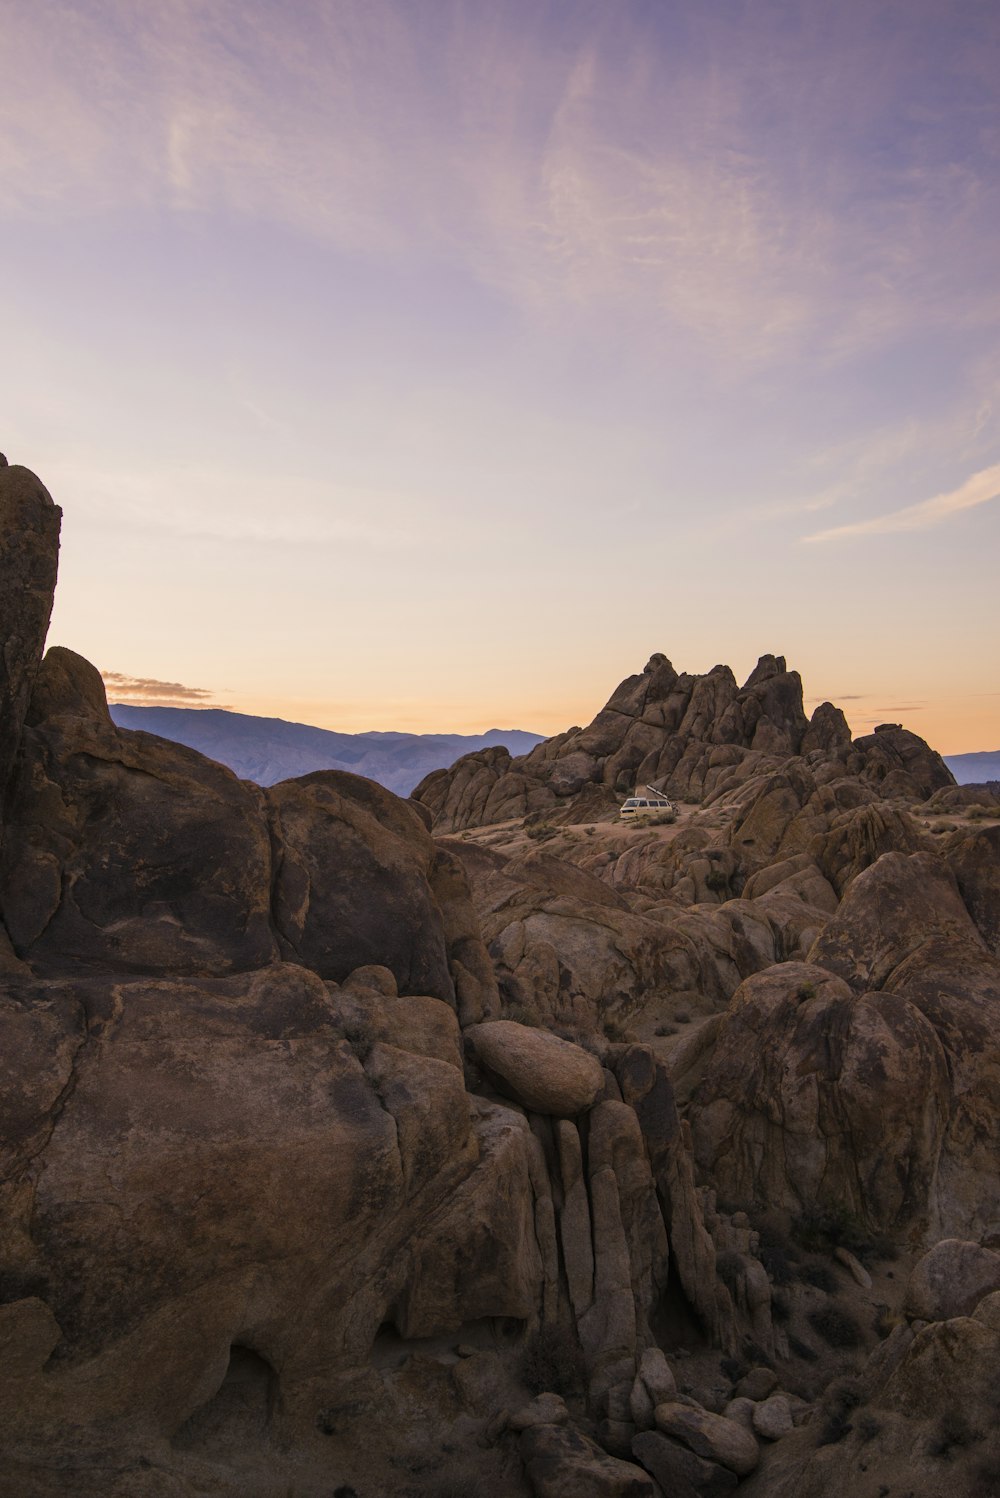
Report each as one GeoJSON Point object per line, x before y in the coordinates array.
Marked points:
{"type": "Point", "coordinates": [428, 365]}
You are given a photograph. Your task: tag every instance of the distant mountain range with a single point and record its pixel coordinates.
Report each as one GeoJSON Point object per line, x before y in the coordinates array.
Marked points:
{"type": "Point", "coordinates": [973, 769]}
{"type": "Point", "coordinates": [267, 750]}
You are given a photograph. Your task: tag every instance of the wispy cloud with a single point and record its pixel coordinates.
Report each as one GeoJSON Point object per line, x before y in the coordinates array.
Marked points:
{"type": "Point", "coordinates": [719, 181]}
{"type": "Point", "coordinates": [981, 488]}
{"type": "Point", "coordinates": [146, 691]}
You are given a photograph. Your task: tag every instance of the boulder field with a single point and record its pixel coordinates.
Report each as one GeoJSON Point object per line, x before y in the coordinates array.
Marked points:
{"type": "Point", "coordinates": [477, 1143]}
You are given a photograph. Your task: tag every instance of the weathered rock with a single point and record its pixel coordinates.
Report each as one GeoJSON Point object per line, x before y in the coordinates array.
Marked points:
{"type": "Point", "coordinates": [859, 1274]}
{"type": "Point", "coordinates": [951, 1280]}
{"type": "Point", "coordinates": [125, 851]}
{"type": "Point", "coordinates": [890, 911]}
{"type": "Point", "coordinates": [546, 1409]}
{"type": "Point", "coordinates": [988, 1311]}
{"type": "Point", "coordinates": [757, 1384]}
{"type": "Point", "coordinates": [657, 1375]}
{"type": "Point", "coordinates": [539, 1070]}
{"type": "Point", "coordinates": [812, 1094]}
{"type": "Point", "coordinates": [678, 1470]}
{"type": "Point", "coordinates": [352, 885]}
{"type": "Point", "coordinates": [772, 1418]}
{"type": "Point", "coordinates": [278, 1196]}
{"type": "Point", "coordinates": [29, 549]}
{"type": "Point", "coordinates": [975, 862]}
{"type": "Point", "coordinates": [563, 1463]}
{"type": "Point", "coordinates": [575, 1228]}
{"type": "Point", "coordinates": [710, 1436]}
{"type": "Point", "coordinates": [741, 1411]}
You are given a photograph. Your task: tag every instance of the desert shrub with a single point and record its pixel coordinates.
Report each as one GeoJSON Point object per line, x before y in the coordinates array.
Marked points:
{"type": "Point", "coordinates": [779, 1267]}
{"type": "Point", "coordinates": [867, 1427]}
{"type": "Point", "coordinates": [522, 1014]}
{"type": "Point", "coordinates": [617, 1030]}
{"type": "Point", "coordinates": [819, 1276]}
{"type": "Point", "coordinates": [803, 1350]}
{"type": "Point", "coordinates": [836, 1326]}
{"type": "Point", "coordinates": [822, 1229]}
{"type": "Point", "coordinates": [716, 881]}
{"type": "Point", "coordinates": [734, 1369]}
{"type": "Point", "coordinates": [666, 1029]}
{"type": "Point", "coordinates": [553, 1363]}
{"type": "Point", "coordinates": [541, 832]}
{"type": "Point", "coordinates": [840, 1400]}
{"type": "Point", "coordinates": [729, 1268]}
{"type": "Point", "coordinates": [805, 992]}
{"type": "Point", "coordinates": [682, 1017]}
{"type": "Point", "coordinates": [886, 1321]}
{"type": "Point", "coordinates": [781, 1310]}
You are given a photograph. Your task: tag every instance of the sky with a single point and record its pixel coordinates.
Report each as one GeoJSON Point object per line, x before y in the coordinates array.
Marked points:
{"type": "Point", "coordinates": [429, 365]}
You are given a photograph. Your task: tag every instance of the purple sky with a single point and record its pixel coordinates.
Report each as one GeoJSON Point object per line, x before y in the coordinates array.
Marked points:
{"type": "Point", "coordinates": [429, 365]}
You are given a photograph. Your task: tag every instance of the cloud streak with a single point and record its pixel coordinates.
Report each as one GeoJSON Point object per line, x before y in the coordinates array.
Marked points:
{"type": "Point", "coordinates": [980, 489]}
{"type": "Point", "coordinates": [146, 691]}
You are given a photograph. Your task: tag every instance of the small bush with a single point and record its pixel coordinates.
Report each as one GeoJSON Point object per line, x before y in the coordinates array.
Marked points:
{"type": "Point", "coordinates": [734, 1369]}
{"type": "Point", "coordinates": [522, 1014]}
{"type": "Point", "coordinates": [867, 1427]}
{"type": "Point", "coordinates": [805, 992]}
{"type": "Point", "coordinates": [803, 1350]}
{"type": "Point", "coordinates": [819, 1276]}
{"type": "Point", "coordinates": [780, 1270]}
{"type": "Point", "coordinates": [840, 1400]}
{"type": "Point", "coordinates": [553, 1363]}
{"type": "Point", "coordinates": [822, 1229]}
{"type": "Point", "coordinates": [541, 832]}
{"type": "Point", "coordinates": [666, 1030]}
{"type": "Point", "coordinates": [716, 881]}
{"type": "Point", "coordinates": [682, 1017]}
{"type": "Point", "coordinates": [836, 1326]}
{"type": "Point", "coordinates": [781, 1310]}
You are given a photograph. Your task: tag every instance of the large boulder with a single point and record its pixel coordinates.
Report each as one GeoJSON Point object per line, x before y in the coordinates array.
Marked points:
{"type": "Point", "coordinates": [561, 1462]}
{"type": "Point", "coordinates": [192, 1167]}
{"type": "Point", "coordinates": [538, 1069]}
{"type": "Point", "coordinates": [127, 852]}
{"type": "Point", "coordinates": [712, 1437]}
{"type": "Point", "coordinates": [951, 1279]}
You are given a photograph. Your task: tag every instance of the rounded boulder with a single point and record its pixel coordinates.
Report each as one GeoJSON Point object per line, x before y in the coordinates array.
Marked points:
{"type": "Point", "coordinates": [537, 1069]}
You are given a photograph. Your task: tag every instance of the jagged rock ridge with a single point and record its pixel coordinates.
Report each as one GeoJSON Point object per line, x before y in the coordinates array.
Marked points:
{"type": "Point", "coordinates": [699, 737]}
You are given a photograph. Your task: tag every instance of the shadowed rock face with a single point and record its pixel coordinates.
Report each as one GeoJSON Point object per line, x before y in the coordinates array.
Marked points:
{"type": "Point", "coordinates": [29, 526]}
{"type": "Point", "coordinates": [132, 853]}
{"type": "Point", "coordinates": [699, 737]}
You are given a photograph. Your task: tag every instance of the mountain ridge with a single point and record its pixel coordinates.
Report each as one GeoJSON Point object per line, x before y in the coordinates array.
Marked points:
{"type": "Point", "coordinates": [269, 750]}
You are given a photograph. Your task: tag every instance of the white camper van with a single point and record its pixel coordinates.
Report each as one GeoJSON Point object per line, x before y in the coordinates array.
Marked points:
{"type": "Point", "coordinates": [644, 805]}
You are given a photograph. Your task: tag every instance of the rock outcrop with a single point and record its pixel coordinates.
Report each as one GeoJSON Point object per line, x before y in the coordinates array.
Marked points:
{"type": "Point", "coordinates": [29, 526]}
{"type": "Point", "coordinates": [700, 737]}
{"type": "Point", "coordinates": [337, 1155]}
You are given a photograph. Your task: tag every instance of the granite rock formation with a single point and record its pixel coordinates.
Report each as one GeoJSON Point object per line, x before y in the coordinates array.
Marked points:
{"type": "Point", "coordinates": [344, 1154]}
{"type": "Point", "coordinates": [699, 737]}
